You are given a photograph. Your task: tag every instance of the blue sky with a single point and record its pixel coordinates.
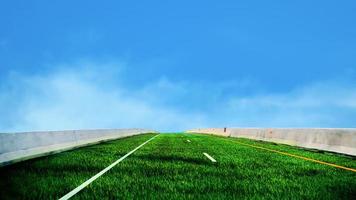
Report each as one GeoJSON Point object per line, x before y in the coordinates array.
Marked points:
{"type": "Point", "coordinates": [177, 65]}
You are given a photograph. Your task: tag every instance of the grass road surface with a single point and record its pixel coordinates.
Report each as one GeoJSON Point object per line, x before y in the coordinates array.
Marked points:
{"type": "Point", "coordinates": [174, 166]}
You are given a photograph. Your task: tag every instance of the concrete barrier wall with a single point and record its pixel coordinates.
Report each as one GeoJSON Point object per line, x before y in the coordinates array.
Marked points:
{"type": "Point", "coordinates": [340, 140]}
{"type": "Point", "coordinates": [15, 147]}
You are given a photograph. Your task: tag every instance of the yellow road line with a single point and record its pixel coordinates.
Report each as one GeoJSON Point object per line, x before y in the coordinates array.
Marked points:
{"type": "Point", "coordinates": [296, 156]}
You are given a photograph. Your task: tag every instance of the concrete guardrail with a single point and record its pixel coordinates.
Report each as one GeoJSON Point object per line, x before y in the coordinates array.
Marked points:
{"type": "Point", "coordinates": [339, 140]}
{"type": "Point", "coordinates": [15, 147]}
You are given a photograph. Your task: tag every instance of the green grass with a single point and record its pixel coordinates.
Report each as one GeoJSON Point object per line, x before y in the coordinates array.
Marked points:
{"type": "Point", "coordinates": [168, 167]}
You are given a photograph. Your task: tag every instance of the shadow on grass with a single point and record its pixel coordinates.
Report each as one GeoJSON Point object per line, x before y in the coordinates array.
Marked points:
{"type": "Point", "coordinates": [172, 159]}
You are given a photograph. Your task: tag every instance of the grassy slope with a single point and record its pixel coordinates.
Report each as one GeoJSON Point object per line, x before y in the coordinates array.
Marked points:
{"type": "Point", "coordinates": [53, 176]}
{"type": "Point", "coordinates": [170, 167]}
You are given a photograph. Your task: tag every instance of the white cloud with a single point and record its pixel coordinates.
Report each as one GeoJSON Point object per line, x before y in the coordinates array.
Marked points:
{"type": "Point", "coordinates": [325, 104]}
{"type": "Point", "coordinates": [78, 96]}
{"type": "Point", "coordinates": [91, 95]}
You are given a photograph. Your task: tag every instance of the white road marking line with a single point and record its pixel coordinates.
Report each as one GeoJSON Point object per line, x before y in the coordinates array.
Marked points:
{"type": "Point", "coordinates": [211, 158]}
{"type": "Point", "coordinates": [83, 185]}
{"type": "Point", "coordinates": [188, 140]}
